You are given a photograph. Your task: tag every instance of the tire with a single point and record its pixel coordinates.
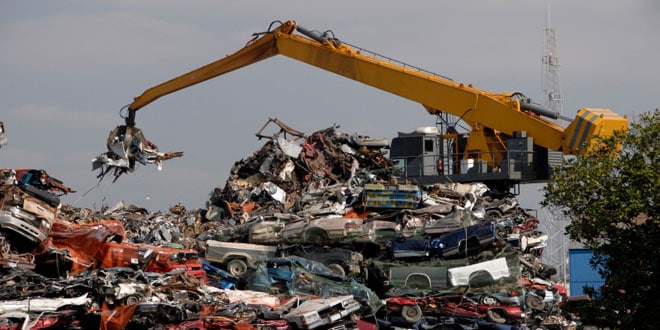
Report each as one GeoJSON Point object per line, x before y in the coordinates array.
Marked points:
{"type": "Point", "coordinates": [411, 313]}
{"type": "Point", "coordinates": [527, 273]}
{"type": "Point", "coordinates": [337, 268]}
{"type": "Point", "coordinates": [487, 300]}
{"type": "Point", "coordinates": [5, 247]}
{"type": "Point", "coordinates": [250, 315]}
{"type": "Point", "coordinates": [493, 215]}
{"type": "Point", "coordinates": [277, 288]}
{"type": "Point", "coordinates": [537, 327]}
{"type": "Point", "coordinates": [481, 278]}
{"type": "Point", "coordinates": [237, 267]}
{"type": "Point", "coordinates": [496, 316]}
{"type": "Point", "coordinates": [132, 300]}
{"type": "Point", "coordinates": [535, 302]}
{"type": "Point", "coordinates": [315, 236]}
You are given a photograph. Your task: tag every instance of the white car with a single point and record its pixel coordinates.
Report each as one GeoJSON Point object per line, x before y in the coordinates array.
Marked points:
{"type": "Point", "coordinates": [315, 313]}
{"type": "Point", "coordinates": [487, 272]}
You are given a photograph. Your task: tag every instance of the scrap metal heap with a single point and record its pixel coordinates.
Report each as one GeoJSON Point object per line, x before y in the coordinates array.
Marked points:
{"type": "Point", "coordinates": [309, 232]}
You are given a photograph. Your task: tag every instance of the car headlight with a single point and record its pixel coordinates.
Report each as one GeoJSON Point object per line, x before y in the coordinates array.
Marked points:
{"type": "Point", "coordinates": [45, 225]}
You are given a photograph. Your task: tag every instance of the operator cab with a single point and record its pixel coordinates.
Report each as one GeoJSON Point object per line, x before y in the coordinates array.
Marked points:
{"type": "Point", "coordinates": [426, 157]}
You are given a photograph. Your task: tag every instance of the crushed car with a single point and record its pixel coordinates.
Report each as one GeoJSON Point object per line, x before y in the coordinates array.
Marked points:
{"type": "Point", "coordinates": [322, 230]}
{"type": "Point", "coordinates": [237, 258]}
{"type": "Point", "coordinates": [315, 313]}
{"type": "Point", "coordinates": [28, 207]}
{"type": "Point", "coordinates": [412, 309]}
{"type": "Point", "coordinates": [459, 242]}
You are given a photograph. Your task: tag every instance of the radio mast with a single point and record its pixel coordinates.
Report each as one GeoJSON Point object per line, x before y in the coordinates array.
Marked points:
{"type": "Point", "coordinates": [550, 60]}
{"type": "Point", "coordinates": [556, 251]}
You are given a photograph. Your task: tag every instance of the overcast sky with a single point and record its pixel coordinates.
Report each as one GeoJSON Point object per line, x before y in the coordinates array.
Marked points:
{"type": "Point", "coordinates": [67, 67]}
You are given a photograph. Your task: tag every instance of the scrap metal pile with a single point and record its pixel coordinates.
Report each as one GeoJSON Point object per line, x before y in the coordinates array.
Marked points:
{"type": "Point", "coordinates": [309, 232]}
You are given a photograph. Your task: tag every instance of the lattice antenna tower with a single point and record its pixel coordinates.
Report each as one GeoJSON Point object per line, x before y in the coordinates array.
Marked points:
{"type": "Point", "coordinates": [557, 249]}
{"type": "Point", "coordinates": [550, 60]}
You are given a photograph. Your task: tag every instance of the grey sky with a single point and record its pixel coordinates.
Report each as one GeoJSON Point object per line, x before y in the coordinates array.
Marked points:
{"type": "Point", "coordinates": [67, 67]}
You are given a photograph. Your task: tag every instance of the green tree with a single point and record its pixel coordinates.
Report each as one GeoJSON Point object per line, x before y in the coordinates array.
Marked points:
{"type": "Point", "coordinates": [612, 199]}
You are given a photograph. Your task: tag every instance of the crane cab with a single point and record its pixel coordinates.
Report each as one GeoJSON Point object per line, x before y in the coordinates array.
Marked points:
{"type": "Point", "coordinates": [426, 156]}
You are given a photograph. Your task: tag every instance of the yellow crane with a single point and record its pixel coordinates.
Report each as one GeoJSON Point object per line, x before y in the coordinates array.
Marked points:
{"type": "Point", "coordinates": [494, 118]}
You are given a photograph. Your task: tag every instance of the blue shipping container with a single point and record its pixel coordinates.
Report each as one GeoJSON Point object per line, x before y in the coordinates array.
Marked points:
{"type": "Point", "coordinates": [581, 273]}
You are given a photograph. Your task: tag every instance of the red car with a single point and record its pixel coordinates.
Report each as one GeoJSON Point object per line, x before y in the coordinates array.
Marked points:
{"type": "Point", "coordinates": [412, 309]}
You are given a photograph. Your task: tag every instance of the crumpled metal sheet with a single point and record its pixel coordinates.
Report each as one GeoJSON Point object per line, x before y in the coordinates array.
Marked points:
{"type": "Point", "coordinates": [40, 304]}
{"type": "Point", "coordinates": [3, 136]}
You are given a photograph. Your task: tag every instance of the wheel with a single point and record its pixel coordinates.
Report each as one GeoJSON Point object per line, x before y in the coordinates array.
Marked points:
{"type": "Point", "coordinates": [315, 236]}
{"type": "Point", "coordinates": [535, 302]}
{"type": "Point", "coordinates": [496, 316]}
{"type": "Point", "coordinates": [5, 247]}
{"type": "Point", "coordinates": [526, 273]}
{"type": "Point", "coordinates": [487, 300]}
{"type": "Point", "coordinates": [277, 288]}
{"type": "Point", "coordinates": [338, 269]}
{"type": "Point", "coordinates": [237, 267]}
{"type": "Point", "coordinates": [493, 215]}
{"type": "Point", "coordinates": [132, 300]}
{"type": "Point", "coordinates": [250, 315]}
{"type": "Point", "coordinates": [411, 313]}
{"type": "Point", "coordinates": [537, 327]}
{"type": "Point", "coordinates": [481, 278]}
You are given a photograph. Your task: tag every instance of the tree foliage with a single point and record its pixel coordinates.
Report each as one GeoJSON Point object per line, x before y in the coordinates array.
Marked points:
{"type": "Point", "coordinates": [612, 198]}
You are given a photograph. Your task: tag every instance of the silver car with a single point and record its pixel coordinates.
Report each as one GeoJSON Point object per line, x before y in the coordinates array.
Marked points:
{"type": "Point", "coordinates": [320, 231]}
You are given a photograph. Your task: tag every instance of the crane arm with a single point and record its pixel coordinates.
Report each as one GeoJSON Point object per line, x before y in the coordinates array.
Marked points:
{"type": "Point", "coordinates": [502, 112]}
{"type": "Point", "coordinates": [257, 49]}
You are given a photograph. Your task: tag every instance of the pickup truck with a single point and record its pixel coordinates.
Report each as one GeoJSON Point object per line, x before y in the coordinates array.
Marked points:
{"type": "Point", "coordinates": [479, 274]}
{"type": "Point", "coordinates": [237, 258]}
{"type": "Point", "coordinates": [343, 261]}
{"type": "Point", "coordinates": [455, 243]}
{"type": "Point", "coordinates": [419, 277]}
{"type": "Point", "coordinates": [452, 273]}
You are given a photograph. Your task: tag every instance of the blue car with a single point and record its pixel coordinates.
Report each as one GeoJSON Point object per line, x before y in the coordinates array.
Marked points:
{"type": "Point", "coordinates": [455, 243]}
{"type": "Point", "coordinates": [296, 275]}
